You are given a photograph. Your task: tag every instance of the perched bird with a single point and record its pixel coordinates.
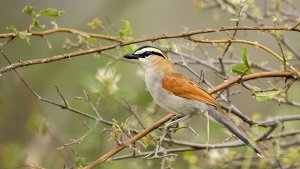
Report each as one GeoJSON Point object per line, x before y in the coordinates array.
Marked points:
{"type": "Point", "coordinates": [174, 92]}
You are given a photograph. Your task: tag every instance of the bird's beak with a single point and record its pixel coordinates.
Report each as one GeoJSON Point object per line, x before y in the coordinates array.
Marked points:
{"type": "Point", "coordinates": [130, 56]}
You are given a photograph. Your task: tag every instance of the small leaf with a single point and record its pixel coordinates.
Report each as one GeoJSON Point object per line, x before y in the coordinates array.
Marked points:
{"type": "Point", "coordinates": [21, 35]}
{"type": "Point", "coordinates": [12, 29]}
{"type": "Point", "coordinates": [264, 96]}
{"type": "Point", "coordinates": [128, 29]}
{"type": "Point", "coordinates": [245, 56]}
{"type": "Point", "coordinates": [24, 36]}
{"type": "Point", "coordinates": [126, 33]}
{"type": "Point", "coordinates": [95, 23]}
{"type": "Point", "coordinates": [29, 10]}
{"type": "Point", "coordinates": [52, 13]}
{"type": "Point", "coordinates": [240, 69]}
{"type": "Point", "coordinates": [130, 48]}
{"type": "Point", "coordinates": [38, 26]}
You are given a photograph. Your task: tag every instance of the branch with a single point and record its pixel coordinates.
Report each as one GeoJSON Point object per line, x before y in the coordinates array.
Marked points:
{"type": "Point", "coordinates": [232, 81]}
{"type": "Point", "coordinates": [245, 42]}
{"type": "Point", "coordinates": [66, 30]}
{"type": "Point", "coordinates": [194, 147]}
{"type": "Point", "coordinates": [295, 26]}
{"type": "Point", "coordinates": [100, 49]}
{"type": "Point", "coordinates": [130, 141]}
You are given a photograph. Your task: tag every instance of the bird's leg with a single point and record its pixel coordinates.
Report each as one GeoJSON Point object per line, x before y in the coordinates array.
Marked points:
{"type": "Point", "coordinates": [175, 122]}
{"type": "Point", "coordinates": [183, 118]}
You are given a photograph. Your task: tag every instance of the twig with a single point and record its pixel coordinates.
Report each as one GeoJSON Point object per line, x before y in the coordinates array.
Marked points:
{"type": "Point", "coordinates": [255, 44]}
{"type": "Point", "coordinates": [130, 141]}
{"type": "Point", "coordinates": [65, 30]}
{"type": "Point", "coordinates": [131, 112]}
{"type": "Point", "coordinates": [295, 26]}
{"type": "Point", "coordinates": [63, 98]}
{"type": "Point", "coordinates": [92, 105]}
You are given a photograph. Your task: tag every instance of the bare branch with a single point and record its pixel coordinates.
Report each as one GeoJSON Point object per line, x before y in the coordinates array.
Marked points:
{"type": "Point", "coordinates": [194, 147]}
{"type": "Point", "coordinates": [65, 30]}
{"type": "Point", "coordinates": [169, 36]}
{"type": "Point", "coordinates": [130, 141]}
{"type": "Point", "coordinates": [232, 81]}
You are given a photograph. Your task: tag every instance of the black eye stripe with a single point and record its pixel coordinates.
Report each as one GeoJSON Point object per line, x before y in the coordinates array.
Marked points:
{"type": "Point", "coordinates": [147, 53]}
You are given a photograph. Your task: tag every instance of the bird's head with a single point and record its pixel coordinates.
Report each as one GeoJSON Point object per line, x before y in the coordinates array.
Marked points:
{"type": "Point", "coordinates": [147, 55]}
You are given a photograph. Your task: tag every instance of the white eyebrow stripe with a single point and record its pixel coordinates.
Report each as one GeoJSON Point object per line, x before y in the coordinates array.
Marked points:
{"type": "Point", "coordinates": [147, 49]}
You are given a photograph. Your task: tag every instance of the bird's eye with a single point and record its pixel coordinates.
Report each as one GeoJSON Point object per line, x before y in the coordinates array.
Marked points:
{"type": "Point", "coordinates": [145, 54]}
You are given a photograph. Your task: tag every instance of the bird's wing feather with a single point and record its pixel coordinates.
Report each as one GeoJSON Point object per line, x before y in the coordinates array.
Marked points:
{"type": "Point", "coordinates": [182, 87]}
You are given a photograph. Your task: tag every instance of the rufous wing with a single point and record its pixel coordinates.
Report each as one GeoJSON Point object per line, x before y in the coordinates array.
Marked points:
{"type": "Point", "coordinates": [182, 87]}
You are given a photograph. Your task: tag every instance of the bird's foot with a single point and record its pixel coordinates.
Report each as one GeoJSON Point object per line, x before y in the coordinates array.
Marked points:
{"type": "Point", "coordinates": [174, 123]}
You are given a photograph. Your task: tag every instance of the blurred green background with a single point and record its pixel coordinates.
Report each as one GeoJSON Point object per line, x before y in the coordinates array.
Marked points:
{"type": "Point", "coordinates": [36, 129]}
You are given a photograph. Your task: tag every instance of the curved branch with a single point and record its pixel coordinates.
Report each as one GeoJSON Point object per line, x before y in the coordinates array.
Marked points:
{"type": "Point", "coordinates": [232, 81]}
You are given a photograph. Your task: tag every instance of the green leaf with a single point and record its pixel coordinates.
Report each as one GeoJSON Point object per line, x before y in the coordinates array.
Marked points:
{"type": "Point", "coordinates": [37, 25]}
{"type": "Point", "coordinates": [21, 35]}
{"type": "Point", "coordinates": [245, 56]}
{"type": "Point", "coordinates": [130, 48]}
{"type": "Point", "coordinates": [52, 13]}
{"type": "Point", "coordinates": [24, 36]}
{"type": "Point", "coordinates": [12, 29]}
{"type": "Point", "coordinates": [126, 33]}
{"type": "Point", "coordinates": [95, 23]}
{"type": "Point", "coordinates": [264, 96]}
{"type": "Point", "coordinates": [240, 69]}
{"type": "Point", "coordinates": [29, 10]}
{"type": "Point", "coordinates": [12, 156]}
